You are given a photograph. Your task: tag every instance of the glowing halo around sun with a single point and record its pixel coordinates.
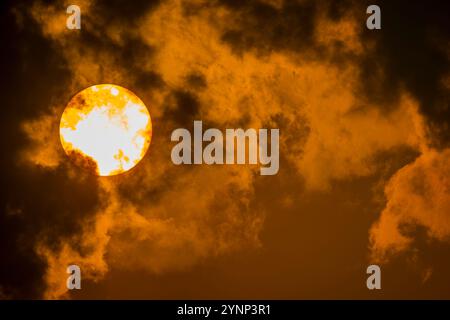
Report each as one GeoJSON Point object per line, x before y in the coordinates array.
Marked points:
{"type": "Point", "coordinates": [106, 128]}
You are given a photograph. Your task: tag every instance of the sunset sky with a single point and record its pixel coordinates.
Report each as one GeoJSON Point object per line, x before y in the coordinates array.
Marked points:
{"type": "Point", "coordinates": [364, 173]}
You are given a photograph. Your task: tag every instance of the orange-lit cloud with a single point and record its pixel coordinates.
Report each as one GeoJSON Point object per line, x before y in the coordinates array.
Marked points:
{"type": "Point", "coordinates": [417, 195]}
{"type": "Point", "coordinates": [174, 217]}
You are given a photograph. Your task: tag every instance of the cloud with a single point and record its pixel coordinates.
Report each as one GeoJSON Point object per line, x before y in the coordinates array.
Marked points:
{"type": "Point", "coordinates": [330, 131]}
{"type": "Point", "coordinates": [44, 136]}
{"type": "Point", "coordinates": [417, 195]}
{"type": "Point", "coordinates": [188, 224]}
{"type": "Point", "coordinates": [139, 221]}
{"type": "Point", "coordinates": [301, 66]}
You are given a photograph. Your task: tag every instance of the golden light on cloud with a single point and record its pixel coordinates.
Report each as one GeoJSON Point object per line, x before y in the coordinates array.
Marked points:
{"type": "Point", "coordinates": [107, 128]}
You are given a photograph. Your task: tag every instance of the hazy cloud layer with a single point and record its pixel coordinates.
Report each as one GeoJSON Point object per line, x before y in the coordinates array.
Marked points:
{"type": "Point", "coordinates": [417, 195]}
{"type": "Point", "coordinates": [307, 67]}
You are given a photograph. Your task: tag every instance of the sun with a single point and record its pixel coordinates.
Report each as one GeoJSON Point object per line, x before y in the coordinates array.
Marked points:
{"type": "Point", "coordinates": [106, 128]}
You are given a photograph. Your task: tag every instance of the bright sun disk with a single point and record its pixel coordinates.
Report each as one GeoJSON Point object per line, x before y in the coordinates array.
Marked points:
{"type": "Point", "coordinates": [106, 127]}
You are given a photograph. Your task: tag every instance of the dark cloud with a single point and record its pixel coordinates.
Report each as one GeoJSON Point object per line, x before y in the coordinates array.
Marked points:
{"type": "Point", "coordinates": [126, 12]}
{"type": "Point", "coordinates": [35, 205]}
{"type": "Point", "coordinates": [21, 270]}
{"type": "Point", "coordinates": [411, 51]}
{"type": "Point", "coordinates": [51, 206]}
{"type": "Point", "coordinates": [182, 107]}
{"type": "Point", "coordinates": [196, 81]}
